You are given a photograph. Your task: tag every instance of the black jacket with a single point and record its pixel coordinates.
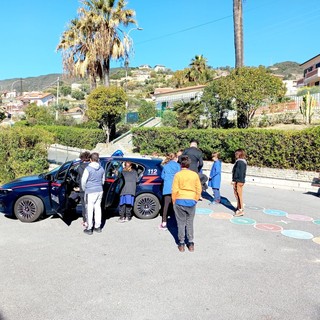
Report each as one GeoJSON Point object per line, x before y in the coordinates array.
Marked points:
{"type": "Point", "coordinates": [239, 171]}
{"type": "Point", "coordinates": [130, 182]}
{"type": "Point", "coordinates": [196, 158]}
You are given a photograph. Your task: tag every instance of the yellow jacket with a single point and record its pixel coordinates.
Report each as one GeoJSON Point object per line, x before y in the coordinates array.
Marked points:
{"type": "Point", "coordinates": [186, 185]}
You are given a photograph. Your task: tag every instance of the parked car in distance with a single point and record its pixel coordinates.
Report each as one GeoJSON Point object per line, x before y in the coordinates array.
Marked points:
{"type": "Point", "coordinates": [28, 198]}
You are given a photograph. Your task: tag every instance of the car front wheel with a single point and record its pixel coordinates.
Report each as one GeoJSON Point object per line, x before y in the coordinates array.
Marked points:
{"type": "Point", "coordinates": [28, 208]}
{"type": "Point", "coordinates": [146, 206]}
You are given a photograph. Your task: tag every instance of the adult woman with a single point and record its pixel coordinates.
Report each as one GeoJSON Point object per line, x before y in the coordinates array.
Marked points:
{"type": "Point", "coordinates": [170, 168]}
{"type": "Point", "coordinates": [238, 179]}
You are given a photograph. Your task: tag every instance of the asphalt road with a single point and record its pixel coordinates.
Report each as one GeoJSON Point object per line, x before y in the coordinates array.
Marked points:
{"type": "Point", "coordinates": [239, 270]}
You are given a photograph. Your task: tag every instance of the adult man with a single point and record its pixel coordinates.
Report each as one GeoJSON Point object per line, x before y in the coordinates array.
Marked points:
{"type": "Point", "coordinates": [196, 158]}
{"type": "Point", "coordinates": [186, 191]}
{"type": "Point", "coordinates": [92, 183]}
{"type": "Point", "coordinates": [85, 160]}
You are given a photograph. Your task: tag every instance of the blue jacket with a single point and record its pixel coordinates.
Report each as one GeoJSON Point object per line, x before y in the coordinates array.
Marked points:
{"type": "Point", "coordinates": [215, 175]}
{"type": "Point", "coordinates": [167, 174]}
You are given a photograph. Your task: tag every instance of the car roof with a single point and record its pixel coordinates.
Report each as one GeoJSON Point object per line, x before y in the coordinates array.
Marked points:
{"type": "Point", "coordinates": [142, 160]}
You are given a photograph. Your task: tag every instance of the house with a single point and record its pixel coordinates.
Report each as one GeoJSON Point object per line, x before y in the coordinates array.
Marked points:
{"type": "Point", "coordinates": [165, 98]}
{"type": "Point", "coordinates": [159, 67]}
{"type": "Point", "coordinates": [144, 66]}
{"type": "Point", "coordinates": [311, 73]}
{"type": "Point", "coordinates": [39, 98]}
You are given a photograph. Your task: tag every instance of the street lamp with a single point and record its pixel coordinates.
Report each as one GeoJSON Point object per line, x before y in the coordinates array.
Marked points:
{"type": "Point", "coordinates": [126, 64]}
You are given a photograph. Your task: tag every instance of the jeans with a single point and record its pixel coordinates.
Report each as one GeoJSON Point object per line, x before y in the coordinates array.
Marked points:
{"type": "Point", "coordinates": [216, 194]}
{"type": "Point", "coordinates": [185, 217]}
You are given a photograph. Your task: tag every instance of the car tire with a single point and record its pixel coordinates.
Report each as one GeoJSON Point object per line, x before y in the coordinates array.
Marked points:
{"type": "Point", "coordinates": [146, 206]}
{"type": "Point", "coordinates": [28, 208]}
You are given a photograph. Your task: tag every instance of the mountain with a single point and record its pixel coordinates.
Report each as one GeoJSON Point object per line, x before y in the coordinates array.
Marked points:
{"type": "Point", "coordinates": [288, 69]}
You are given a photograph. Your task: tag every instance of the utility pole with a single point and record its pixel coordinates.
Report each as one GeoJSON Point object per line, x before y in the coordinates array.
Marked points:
{"type": "Point", "coordinates": [57, 100]}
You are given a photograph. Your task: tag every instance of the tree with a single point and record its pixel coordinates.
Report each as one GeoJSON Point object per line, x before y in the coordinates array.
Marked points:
{"type": "Point", "coordinates": [169, 118]}
{"type": "Point", "coordinates": [106, 105]}
{"type": "Point", "coordinates": [146, 110]}
{"type": "Point", "coordinates": [188, 113]}
{"type": "Point", "coordinates": [78, 94]}
{"type": "Point", "coordinates": [39, 114]}
{"type": "Point", "coordinates": [96, 37]}
{"type": "Point", "coordinates": [248, 88]}
{"type": "Point", "coordinates": [238, 32]}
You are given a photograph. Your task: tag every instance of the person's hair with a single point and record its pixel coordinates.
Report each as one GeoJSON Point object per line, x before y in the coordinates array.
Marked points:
{"type": "Point", "coordinates": [127, 166]}
{"type": "Point", "coordinates": [169, 156]}
{"type": "Point", "coordinates": [194, 142]}
{"type": "Point", "coordinates": [84, 156]}
{"type": "Point", "coordinates": [94, 157]}
{"type": "Point", "coordinates": [216, 154]}
{"type": "Point", "coordinates": [185, 161]}
{"type": "Point", "coordinates": [240, 154]}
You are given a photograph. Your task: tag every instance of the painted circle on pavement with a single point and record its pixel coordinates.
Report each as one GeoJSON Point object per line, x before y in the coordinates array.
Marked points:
{"type": "Point", "coordinates": [316, 240]}
{"type": "Point", "coordinates": [299, 217]}
{"type": "Point", "coordinates": [268, 227]}
{"type": "Point", "coordinates": [316, 221]}
{"type": "Point", "coordinates": [297, 234]}
{"type": "Point", "coordinates": [243, 221]}
{"type": "Point", "coordinates": [221, 215]}
{"type": "Point", "coordinates": [203, 211]}
{"type": "Point", "coordinates": [254, 208]}
{"type": "Point", "coordinates": [274, 212]}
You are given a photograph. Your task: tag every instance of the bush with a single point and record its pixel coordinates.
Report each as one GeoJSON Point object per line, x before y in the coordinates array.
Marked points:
{"type": "Point", "coordinates": [23, 151]}
{"type": "Point", "coordinates": [76, 137]}
{"type": "Point", "coordinates": [298, 150]}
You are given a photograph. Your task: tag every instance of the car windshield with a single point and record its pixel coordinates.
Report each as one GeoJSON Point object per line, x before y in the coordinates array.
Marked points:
{"type": "Point", "coordinates": [52, 172]}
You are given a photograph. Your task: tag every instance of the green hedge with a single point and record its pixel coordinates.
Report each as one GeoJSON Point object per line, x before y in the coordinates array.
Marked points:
{"type": "Point", "coordinates": [76, 137]}
{"type": "Point", "coordinates": [298, 150]}
{"type": "Point", "coordinates": [23, 151]}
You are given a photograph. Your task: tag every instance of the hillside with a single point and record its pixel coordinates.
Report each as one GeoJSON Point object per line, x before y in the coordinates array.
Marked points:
{"type": "Point", "coordinates": [289, 69]}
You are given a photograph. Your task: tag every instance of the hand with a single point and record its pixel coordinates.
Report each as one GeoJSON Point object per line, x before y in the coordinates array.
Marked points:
{"type": "Point", "coordinates": [77, 189]}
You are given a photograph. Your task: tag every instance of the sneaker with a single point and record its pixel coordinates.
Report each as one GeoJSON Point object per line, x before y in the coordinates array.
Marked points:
{"type": "Point", "coordinates": [191, 246]}
{"type": "Point", "coordinates": [239, 213]}
{"type": "Point", "coordinates": [181, 247]}
{"type": "Point", "coordinates": [121, 220]}
{"type": "Point", "coordinates": [163, 227]}
{"type": "Point", "coordinates": [88, 231]}
{"type": "Point", "coordinates": [127, 219]}
{"type": "Point", "coordinates": [98, 230]}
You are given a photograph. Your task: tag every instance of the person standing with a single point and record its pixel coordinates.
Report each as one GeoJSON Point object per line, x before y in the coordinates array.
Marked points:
{"type": "Point", "coordinates": [128, 192]}
{"type": "Point", "coordinates": [186, 191]}
{"type": "Point", "coordinates": [196, 158]}
{"type": "Point", "coordinates": [215, 177]}
{"type": "Point", "coordinates": [92, 183]}
{"type": "Point", "coordinates": [84, 161]}
{"type": "Point", "coordinates": [238, 179]}
{"type": "Point", "coordinates": [170, 168]}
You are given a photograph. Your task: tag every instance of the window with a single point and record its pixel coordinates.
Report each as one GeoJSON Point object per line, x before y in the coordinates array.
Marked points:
{"type": "Point", "coordinates": [318, 65]}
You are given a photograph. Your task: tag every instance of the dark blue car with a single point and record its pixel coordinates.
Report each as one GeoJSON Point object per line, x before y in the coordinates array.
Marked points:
{"type": "Point", "coordinates": [28, 198]}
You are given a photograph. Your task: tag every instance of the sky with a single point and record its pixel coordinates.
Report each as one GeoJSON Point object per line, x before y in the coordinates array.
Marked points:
{"type": "Point", "coordinates": [174, 32]}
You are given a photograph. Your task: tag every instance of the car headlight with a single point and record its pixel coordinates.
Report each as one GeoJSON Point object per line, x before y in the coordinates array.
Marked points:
{"type": "Point", "coordinates": [5, 191]}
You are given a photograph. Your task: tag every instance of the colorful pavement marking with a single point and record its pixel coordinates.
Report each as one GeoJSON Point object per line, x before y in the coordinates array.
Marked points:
{"type": "Point", "coordinates": [299, 217]}
{"type": "Point", "coordinates": [297, 234]}
{"type": "Point", "coordinates": [221, 216]}
{"type": "Point", "coordinates": [243, 221]}
{"type": "Point", "coordinates": [268, 227]}
{"type": "Point", "coordinates": [203, 211]}
{"type": "Point", "coordinates": [316, 221]}
{"type": "Point", "coordinates": [254, 208]}
{"type": "Point", "coordinates": [316, 240]}
{"type": "Point", "coordinates": [274, 212]}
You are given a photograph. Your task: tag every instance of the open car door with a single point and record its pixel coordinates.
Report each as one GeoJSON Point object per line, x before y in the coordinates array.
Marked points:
{"type": "Point", "coordinates": [59, 189]}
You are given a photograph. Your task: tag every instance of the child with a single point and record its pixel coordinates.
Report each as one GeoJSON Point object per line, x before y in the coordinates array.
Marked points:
{"type": "Point", "coordinates": [238, 179]}
{"type": "Point", "coordinates": [215, 177]}
{"type": "Point", "coordinates": [170, 168]}
{"type": "Point", "coordinates": [128, 192]}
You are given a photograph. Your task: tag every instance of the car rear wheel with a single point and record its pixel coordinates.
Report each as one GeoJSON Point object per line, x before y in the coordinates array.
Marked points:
{"type": "Point", "coordinates": [28, 208]}
{"type": "Point", "coordinates": [146, 206]}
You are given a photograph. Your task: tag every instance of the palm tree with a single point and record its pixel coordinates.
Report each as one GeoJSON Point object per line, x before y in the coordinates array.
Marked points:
{"type": "Point", "coordinates": [238, 32]}
{"type": "Point", "coordinates": [199, 71]}
{"type": "Point", "coordinates": [96, 37]}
